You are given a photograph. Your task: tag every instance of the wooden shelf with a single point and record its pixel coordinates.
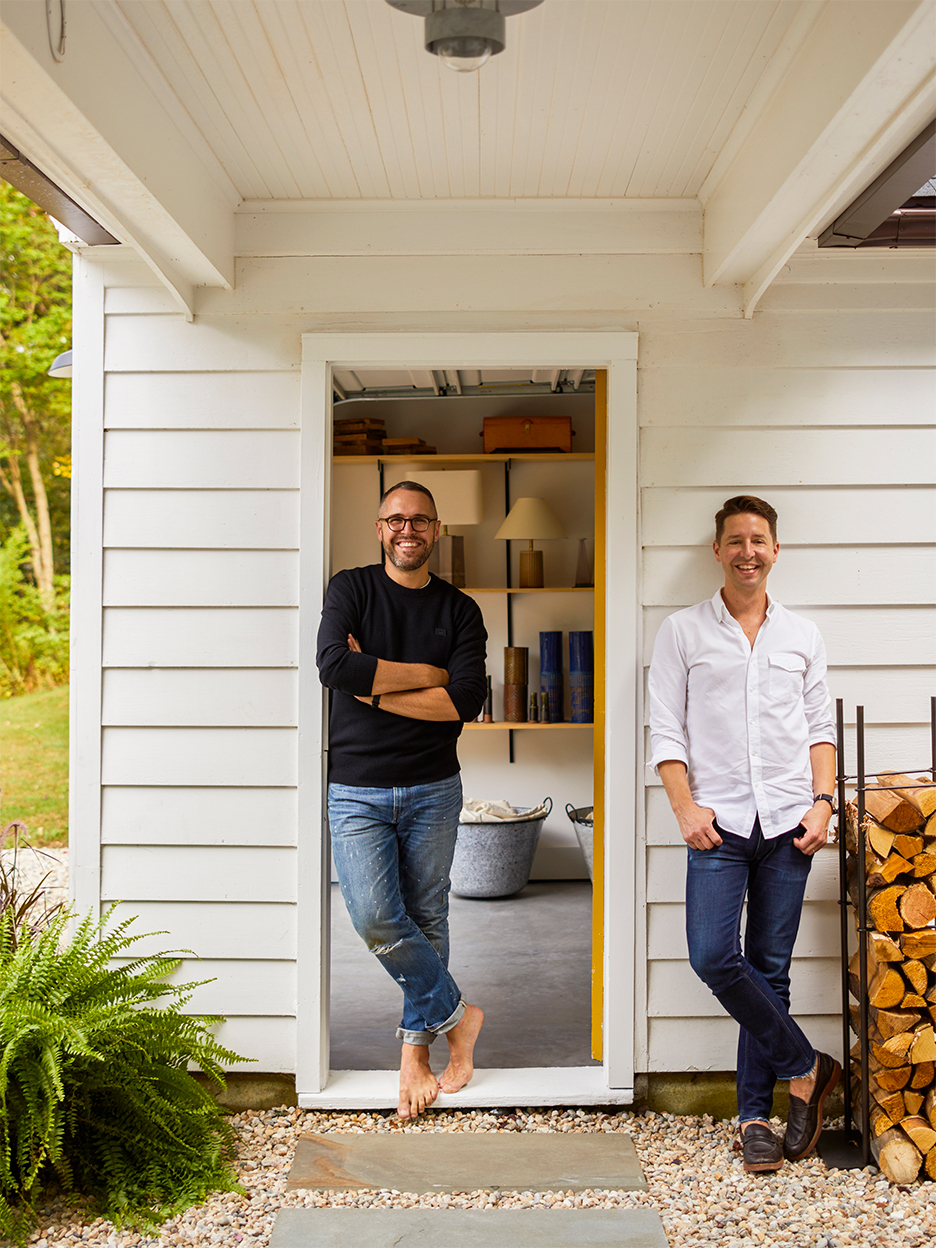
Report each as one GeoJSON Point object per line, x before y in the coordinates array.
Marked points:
{"type": "Point", "coordinates": [542, 589]}
{"type": "Point", "coordinates": [548, 457]}
{"type": "Point", "coordinates": [500, 725]}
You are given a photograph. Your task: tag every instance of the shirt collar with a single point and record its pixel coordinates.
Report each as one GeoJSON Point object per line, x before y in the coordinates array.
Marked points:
{"type": "Point", "coordinates": [724, 615]}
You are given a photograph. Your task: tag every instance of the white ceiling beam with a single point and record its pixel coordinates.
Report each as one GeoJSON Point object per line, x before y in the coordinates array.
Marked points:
{"type": "Point", "coordinates": [95, 124]}
{"type": "Point", "coordinates": [860, 85]}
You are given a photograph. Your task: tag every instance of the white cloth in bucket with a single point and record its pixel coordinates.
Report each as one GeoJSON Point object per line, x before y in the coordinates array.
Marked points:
{"type": "Point", "coordinates": [500, 812]}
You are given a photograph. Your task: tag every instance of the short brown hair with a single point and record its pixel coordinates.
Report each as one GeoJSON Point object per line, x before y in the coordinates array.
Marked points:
{"type": "Point", "coordinates": [415, 488]}
{"type": "Point", "coordinates": [745, 504]}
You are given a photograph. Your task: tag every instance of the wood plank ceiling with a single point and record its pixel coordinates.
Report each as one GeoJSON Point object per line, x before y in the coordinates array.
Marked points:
{"type": "Point", "coordinates": [336, 99]}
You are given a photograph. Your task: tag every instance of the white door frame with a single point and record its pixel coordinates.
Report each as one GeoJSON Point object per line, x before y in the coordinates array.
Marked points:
{"type": "Point", "coordinates": [613, 1081]}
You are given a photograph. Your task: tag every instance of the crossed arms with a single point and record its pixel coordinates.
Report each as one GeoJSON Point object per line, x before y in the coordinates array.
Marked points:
{"type": "Point", "coordinates": [414, 690]}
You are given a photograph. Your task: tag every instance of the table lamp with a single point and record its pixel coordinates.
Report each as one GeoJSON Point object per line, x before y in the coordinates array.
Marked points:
{"type": "Point", "coordinates": [458, 501]}
{"type": "Point", "coordinates": [531, 519]}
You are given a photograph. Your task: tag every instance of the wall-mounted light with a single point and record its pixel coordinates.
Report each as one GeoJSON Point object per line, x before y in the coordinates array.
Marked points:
{"type": "Point", "coordinates": [464, 33]}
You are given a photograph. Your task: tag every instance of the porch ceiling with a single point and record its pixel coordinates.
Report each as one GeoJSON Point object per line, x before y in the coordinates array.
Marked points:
{"type": "Point", "coordinates": [337, 99]}
{"type": "Point", "coordinates": [165, 118]}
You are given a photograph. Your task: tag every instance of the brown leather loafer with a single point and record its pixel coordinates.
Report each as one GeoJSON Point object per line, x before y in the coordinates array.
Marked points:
{"type": "Point", "coordinates": [804, 1121]}
{"type": "Point", "coordinates": [760, 1148]}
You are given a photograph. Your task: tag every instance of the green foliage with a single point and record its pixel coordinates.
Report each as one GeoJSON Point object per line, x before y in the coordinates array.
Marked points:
{"type": "Point", "coordinates": [33, 636]}
{"type": "Point", "coordinates": [94, 1085]}
{"type": "Point", "coordinates": [35, 327]}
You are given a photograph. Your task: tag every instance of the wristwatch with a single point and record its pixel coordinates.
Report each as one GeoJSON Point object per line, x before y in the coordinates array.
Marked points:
{"type": "Point", "coordinates": [375, 701]}
{"type": "Point", "coordinates": [825, 797]}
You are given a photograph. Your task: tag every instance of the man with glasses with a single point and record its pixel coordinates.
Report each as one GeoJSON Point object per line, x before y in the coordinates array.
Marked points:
{"type": "Point", "coordinates": [404, 654]}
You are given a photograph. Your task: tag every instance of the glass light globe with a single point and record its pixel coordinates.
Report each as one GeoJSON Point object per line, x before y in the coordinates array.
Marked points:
{"type": "Point", "coordinates": [463, 54]}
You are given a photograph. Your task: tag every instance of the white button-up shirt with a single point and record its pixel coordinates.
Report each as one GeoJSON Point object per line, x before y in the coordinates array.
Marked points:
{"type": "Point", "coordinates": [741, 718]}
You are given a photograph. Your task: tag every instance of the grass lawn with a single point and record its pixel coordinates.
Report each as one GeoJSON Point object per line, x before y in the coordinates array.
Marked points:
{"type": "Point", "coordinates": [34, 728]}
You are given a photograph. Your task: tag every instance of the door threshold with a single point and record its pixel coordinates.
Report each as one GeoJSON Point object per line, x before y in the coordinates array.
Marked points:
{"type": "Point", "coordinates": [536, 1085]}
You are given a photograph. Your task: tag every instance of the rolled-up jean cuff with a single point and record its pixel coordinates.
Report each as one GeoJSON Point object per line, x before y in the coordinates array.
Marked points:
{"type": "Point", "coordinates": [427, 1037]}
{"type": "Point", "coordinates": [806, 1073]}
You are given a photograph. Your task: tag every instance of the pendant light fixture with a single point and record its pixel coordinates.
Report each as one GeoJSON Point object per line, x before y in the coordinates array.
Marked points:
{"type": "Point", "coordinates": [464, 34]}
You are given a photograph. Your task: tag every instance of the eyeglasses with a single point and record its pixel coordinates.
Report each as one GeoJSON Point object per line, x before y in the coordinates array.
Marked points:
{"type": "Point", "coordinates": [396, 524]}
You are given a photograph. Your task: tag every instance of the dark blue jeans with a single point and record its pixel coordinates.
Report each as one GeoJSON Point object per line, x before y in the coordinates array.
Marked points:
{"type": "Point", "coordinates": [393, 851]}
{"type": "Point", "coordinates": [753, 985]}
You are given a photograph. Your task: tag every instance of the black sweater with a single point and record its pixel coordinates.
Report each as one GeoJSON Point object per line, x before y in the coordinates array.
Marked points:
{"type": "Point", "coordinates": [436, 624]}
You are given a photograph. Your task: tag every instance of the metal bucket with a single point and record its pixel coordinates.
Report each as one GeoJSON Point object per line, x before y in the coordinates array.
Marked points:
{"type": "Point", "coordinates": [585, 832]}
{"type": "Point", "coordinates": [495, 859]}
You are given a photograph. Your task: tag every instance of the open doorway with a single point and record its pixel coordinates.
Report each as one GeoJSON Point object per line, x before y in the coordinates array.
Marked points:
{"type": "Point", "coordinates": [534, 988]}
{"type": "Point", "coordinates": [319, 1081]}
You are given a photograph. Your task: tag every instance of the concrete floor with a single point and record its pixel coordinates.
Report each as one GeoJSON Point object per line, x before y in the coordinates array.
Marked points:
{"type": "Point", "coordinates": [526, 960]}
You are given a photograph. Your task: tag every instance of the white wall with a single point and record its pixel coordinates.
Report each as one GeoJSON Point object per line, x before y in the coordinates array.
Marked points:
{"type": "Point", "coordinates": [184, 736]}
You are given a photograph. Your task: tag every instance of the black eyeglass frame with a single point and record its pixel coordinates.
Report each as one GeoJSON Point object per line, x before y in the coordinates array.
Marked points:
{"type": "Point", "coordinates": [418, 524]}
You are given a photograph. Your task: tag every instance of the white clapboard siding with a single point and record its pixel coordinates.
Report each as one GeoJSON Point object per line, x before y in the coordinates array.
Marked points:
{"type": "Point", "coordinates": [267, 1044]}
{"type": "Point", "coordinates": [674, 990]}
{"type": "Point", "coordinates": [870, 515]}
{"type": "Point", "coordinates": [201, 578]}
{"type": "Point", "coordinates": [890, 695]}
{"type": "Point", "coordinates": [769, 457]}
{"type": "Point", "coordinates": [210, 344]}
{"type": "Point", "coordinates": [853, 636]}
{"type": "Point", "coordinates": [860, 340]}
{"type": "Point", "coordinates": [217, 929]}
{"type": "Point", "coordinates": [235, 400]}
{"type": "Point", "coordinates": [220, 459]}
{"type": "Point", "coordinates": [712, 1043]}
{"type": "Point", "coordinates": [202, 519]}
{"type": "Point", "coordinates": [214, 697]}
{"type": "Point", "coordinates": [241, 987]}
{"type": "Point", "coordinates": [133, 873]}
{"type": "Point", "coordinates": [666, 875]}
{"type": "Point", "coordinates": [818, 935]}
{"type": "Point", "coordinates": [803, 575]}
{"type": "Point", "coordinates": [752, 397]}
{"type": "Point", "coordinates": [254, 757]}
{"type": "Point", "coordinates": [201, 636]}
{"type": "Point", "coordinates": [160, 815]}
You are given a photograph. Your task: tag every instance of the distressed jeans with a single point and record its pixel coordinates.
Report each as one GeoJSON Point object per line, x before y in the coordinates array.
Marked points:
{"type": "Point", "coordinates": [753, 985]}
{"type": "Point", "coordinates": [393, 851]}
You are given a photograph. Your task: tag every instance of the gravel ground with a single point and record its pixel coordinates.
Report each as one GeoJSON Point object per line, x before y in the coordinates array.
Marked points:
{"type": "Point", "coordinates": [695, 1180]}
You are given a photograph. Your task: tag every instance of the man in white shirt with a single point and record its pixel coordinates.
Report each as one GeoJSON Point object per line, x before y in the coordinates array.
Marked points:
{"type": "Point", "coordinates": [743, 740]}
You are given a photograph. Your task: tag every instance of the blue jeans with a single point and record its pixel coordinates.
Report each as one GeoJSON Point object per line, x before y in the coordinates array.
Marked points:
{"type": "Point", "coordinates": [393, 851]}
{"type": "Point", "coordinates": [753, 986]}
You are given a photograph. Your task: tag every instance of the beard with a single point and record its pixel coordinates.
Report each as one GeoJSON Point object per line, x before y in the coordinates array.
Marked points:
{"type": "Point", "coordinates": [409, 561]}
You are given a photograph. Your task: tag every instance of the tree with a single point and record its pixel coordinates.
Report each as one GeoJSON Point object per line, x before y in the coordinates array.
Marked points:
{"type": "Point", "coordinates": [35, 409]}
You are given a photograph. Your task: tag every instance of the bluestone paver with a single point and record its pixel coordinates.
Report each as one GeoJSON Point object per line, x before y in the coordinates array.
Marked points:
{"type": "Point", "coordinates": [468, 1228]}
{"type": "Point", "coordinates": [465, 1162]}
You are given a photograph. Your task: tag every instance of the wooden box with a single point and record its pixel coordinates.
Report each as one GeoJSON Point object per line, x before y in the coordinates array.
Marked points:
{"type": "Point", "coordinates": [527, 433]}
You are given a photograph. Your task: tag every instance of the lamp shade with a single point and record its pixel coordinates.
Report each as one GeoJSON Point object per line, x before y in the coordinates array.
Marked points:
{"type": "Point", "coordinates": [530, 519]}
{"type": "Point", "coordinates": [457, 495]}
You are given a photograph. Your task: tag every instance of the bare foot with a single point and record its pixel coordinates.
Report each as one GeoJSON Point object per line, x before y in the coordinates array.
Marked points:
{"type": "Point", "coordinates": [418, 1085]}
{"type": "Point", "coordinates": [461, 1041]}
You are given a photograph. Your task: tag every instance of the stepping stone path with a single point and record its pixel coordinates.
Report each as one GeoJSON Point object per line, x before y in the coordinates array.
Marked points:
{"type": "Point", "coordinates": [433, 1162]}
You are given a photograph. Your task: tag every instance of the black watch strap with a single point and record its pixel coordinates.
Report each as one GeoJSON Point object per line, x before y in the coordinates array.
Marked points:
{"type": "Point", "coordinates": [825, 797]}
{"type": "Point", "coordinates": [375, 701]}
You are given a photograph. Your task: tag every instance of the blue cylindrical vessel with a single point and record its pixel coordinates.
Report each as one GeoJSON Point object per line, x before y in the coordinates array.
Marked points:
{"type": "Point", "coordinates": [582, 652]}
{"type": "Point", "coordinates": [582, 676]}
{"type": "Point", "coordinates": [551, 652]}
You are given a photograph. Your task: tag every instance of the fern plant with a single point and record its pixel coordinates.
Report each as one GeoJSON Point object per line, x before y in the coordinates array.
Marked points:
{"type": "Point", "coordinates": [94, 1082]}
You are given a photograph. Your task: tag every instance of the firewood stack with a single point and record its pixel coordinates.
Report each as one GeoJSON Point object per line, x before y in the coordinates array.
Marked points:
{"type": "Point", "coordinates": [899, 840]}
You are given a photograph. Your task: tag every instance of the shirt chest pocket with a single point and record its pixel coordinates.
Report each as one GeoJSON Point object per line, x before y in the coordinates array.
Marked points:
{"type": "Point", "coordinates": [785, 674]}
